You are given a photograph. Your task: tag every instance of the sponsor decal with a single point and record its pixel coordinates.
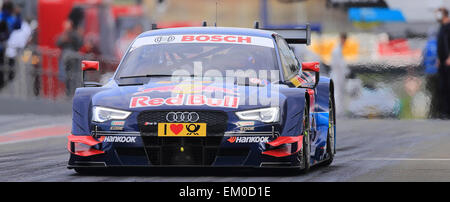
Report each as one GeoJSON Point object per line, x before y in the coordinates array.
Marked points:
{"type": "Point", "coordinates": [245, 123]}
{"type": "Point", "coordinates": [164, 39]}
{"type": "Point", "coordinates": [217, 38]}
{"type": "Point", "coordinates": [117, 125]}
{"type": "Point", "coordinates": [204, 38]}
{"type": "Point", "coordinates": [247, 128]}
{"type": "Point", "coordinates": [297, 81]}
{"type": "Point", "coordinates": [248, 139]}
{"type": "Point", "coordinates": [188, 89]}
{"type": "Point", "coordinates": [120, 139]}
{"type": "Point", "coordinates": [116, 128]}
{"type": "Point", "coordinates": [182, 130]}
{"type": "Point", "coordinates": [180, 99]}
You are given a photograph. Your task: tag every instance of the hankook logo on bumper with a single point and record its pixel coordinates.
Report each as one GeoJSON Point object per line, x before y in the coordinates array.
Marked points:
{"type": "Point", "coordinates": [120, 139]}
{"type": "Point", "coordinates": [248, 139]}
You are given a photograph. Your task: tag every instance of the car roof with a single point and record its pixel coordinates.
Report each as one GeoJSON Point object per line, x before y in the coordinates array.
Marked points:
{"type": "Point", "coordinates": [209, 30]}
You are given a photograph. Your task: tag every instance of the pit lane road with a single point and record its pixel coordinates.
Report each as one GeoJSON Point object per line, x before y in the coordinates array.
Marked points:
{"type": "Point", "coordinates": [32, 148]}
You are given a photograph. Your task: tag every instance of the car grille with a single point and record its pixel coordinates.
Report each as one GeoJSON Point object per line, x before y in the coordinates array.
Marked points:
{"type": "Point", "coordinates": [197, 151]}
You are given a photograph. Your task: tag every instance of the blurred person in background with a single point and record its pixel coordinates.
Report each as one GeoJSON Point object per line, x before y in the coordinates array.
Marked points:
{"type": "Point", "coordinates": [17, 41]}
{"type": "Point", "coordinates": [3, 37]}
{"type": "Point", "coordinates": [430, 64]}
{"type": "Point", "coordinates": [70, 42]}
{"type": "Point", "coordinates": [338, 73]}
{"type": "Point", "coordinates": [10, 20]}
{"type": "Point", "coordinates": [411, 85]}
{"type": "Point", "coordinates": [443, 51]}
{"type": "Point", "coordinates": [90, 48]}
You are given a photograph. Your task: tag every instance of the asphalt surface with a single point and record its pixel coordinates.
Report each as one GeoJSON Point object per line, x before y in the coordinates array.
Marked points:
{"type": "Point", "coordinates": [367, 150]}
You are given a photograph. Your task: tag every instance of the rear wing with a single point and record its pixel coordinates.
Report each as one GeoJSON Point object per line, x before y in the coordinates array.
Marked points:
{"type": "Point", "coordinates": [298, 35]}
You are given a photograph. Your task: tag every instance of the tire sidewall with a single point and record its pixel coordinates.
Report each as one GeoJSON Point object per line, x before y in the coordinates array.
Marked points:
{"type": "Point", "coordinates": [306, 157]}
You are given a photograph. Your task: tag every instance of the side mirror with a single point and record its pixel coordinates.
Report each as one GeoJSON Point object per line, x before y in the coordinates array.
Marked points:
{"type": "Point", "coordinates": [89, 66]}
{"type": "Point", "coordinates": [309, 75]}
{"type": "Point", "coordinates": [311, 66]}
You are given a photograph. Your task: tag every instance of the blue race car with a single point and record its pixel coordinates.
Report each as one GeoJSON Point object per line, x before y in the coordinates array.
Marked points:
{"type": "Point", "coordinates": [206, 97]}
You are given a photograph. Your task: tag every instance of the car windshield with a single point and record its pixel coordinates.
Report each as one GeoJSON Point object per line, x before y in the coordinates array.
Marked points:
{"type": "Point", "coordinates": [170, 55]}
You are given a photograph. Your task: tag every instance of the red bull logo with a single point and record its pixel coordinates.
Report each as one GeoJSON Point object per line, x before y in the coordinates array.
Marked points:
{"type": "Point", "coordinates": [180, 99]}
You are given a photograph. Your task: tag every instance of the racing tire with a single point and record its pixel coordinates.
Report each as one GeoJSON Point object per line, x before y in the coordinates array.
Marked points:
{"type": "Point", "coordinates": [331, 150]}
{"type": "Point", "coordinates": [304, 154]}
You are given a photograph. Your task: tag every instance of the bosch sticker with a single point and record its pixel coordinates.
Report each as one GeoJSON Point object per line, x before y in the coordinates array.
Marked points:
{"type": "Point", "coordinates": [204, 38]}
{"type": "Point", "coordinates": [217, 38]}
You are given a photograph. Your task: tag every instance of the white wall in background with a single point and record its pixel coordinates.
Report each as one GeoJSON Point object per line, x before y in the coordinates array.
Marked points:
{"type": "Point", "coordinates": [418, 10]}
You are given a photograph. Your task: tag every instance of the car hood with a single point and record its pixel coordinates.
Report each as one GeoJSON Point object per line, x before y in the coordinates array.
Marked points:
{"type": "Point", "coordinates": [203, 95]}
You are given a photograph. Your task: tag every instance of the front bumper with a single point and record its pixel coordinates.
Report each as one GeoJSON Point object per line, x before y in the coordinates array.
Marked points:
{"type": "Point", "coordinates": [232, 149]}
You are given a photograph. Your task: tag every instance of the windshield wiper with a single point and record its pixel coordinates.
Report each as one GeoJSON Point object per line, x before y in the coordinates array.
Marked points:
{"type": "Point", "coordinates": [147, 75]}
{"type": "Point", "coordinates": [130, 84]}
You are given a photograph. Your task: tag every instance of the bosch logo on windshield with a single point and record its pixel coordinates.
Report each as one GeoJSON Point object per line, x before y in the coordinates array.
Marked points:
{"type": "Point", "coordinates": [182, 117]}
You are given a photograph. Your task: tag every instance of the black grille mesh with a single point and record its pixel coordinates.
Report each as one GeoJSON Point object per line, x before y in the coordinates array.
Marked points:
{"type": "Point", "coordinates": [196, 150]}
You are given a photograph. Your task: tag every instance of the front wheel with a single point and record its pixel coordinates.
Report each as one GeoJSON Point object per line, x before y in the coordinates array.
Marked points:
{"type": "Point", "coordinates": [331, 132]}
{"type": "Point", "coordinates": [304, 153]}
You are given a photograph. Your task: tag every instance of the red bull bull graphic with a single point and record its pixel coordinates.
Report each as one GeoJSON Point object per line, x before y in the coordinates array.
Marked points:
{"type": "Point", "coordinates": [180, 99]}
{"type": "Point", "coordinates": [189, 89]}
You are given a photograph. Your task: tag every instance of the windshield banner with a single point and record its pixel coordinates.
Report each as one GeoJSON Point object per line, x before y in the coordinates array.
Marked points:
{"type": "Point", "coordinates": [203, 38]}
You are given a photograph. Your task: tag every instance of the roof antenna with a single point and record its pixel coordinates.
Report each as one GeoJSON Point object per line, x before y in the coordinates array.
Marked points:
{"type": "Point", "coordinates": [256, 26]}
{"type": "Point", "coordinates": [215, 23]}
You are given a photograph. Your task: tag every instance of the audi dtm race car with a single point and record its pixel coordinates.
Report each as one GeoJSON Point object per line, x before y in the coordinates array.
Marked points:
{"type": "Point", "coordinates": [206, 97]}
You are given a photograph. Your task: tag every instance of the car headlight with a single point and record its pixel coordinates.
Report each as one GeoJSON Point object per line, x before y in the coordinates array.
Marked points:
{"type": "Point", "coordinates": [266, 115]}
{"type": "Point", "coordinates": [102, 114]}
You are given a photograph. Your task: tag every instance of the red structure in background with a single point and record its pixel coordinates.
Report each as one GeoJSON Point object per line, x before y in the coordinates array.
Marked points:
{"type": "Point", "coordinates": [397, 47]}
{"type": "Point", "coordinates": [51, 16]}
{"type": "Point", "coordinates": [53, 13]}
